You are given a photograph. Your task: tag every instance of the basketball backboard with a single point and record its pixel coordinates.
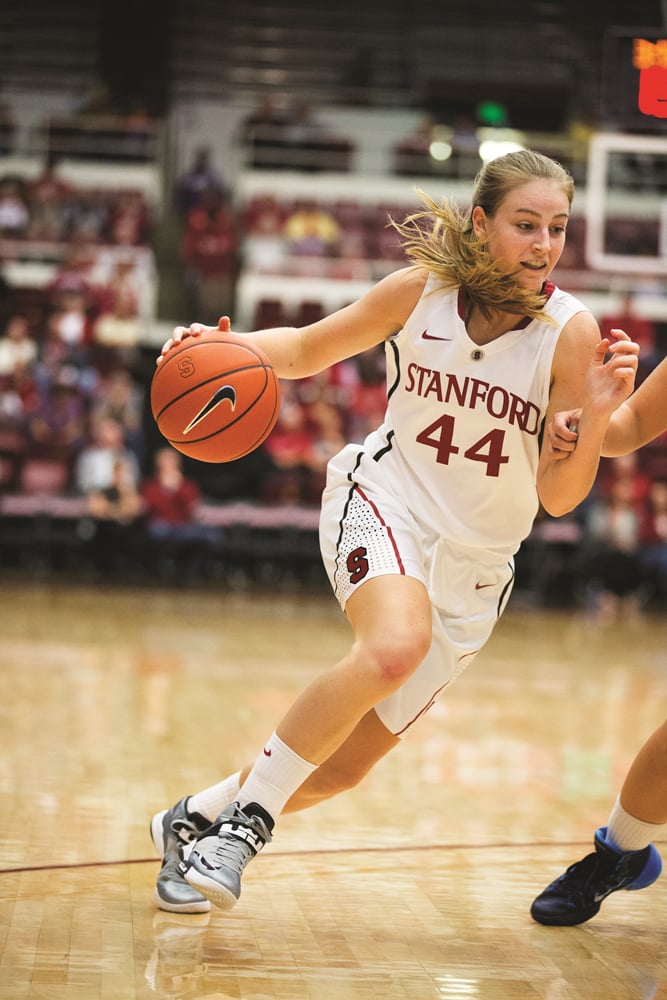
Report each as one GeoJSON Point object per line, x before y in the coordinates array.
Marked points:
{"type": "Point", "coordinates": [626, 203]}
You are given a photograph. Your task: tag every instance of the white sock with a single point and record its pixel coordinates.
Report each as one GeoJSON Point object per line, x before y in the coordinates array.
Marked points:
{"type": "Point", "coordinates": [275, 776]}
{"type": "Point", "coordinates": [213, 800]}
{"type": "Point", "coordinates": [627, 833]}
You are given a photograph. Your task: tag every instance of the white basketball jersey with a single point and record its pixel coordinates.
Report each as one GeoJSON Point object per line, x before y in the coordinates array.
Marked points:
{"type": "Point", "coordinates": [459, 442]}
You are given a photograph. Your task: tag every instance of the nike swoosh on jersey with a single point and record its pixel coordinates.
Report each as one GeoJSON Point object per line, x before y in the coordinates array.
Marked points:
{"type": "Point", "coordinates": [221, 394]}
{"type": "Point", "coordinates": [429, 336]}
{"type": "Point", "coordinates": [482, 586]}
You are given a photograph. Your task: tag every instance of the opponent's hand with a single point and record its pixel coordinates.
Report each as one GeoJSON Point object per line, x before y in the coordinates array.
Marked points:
{"type": "Point", "coordinates": [561, 434]}
{"type": "Point", "coordinates": [194, 330]}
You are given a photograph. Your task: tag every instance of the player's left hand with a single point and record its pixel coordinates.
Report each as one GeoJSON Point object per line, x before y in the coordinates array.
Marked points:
{"type": "Point", "coordinates": [612, 373]}
{"type": "Point", "coordinates": [194, 330]}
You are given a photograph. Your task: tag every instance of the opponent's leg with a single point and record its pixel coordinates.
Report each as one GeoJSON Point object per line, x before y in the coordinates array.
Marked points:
{"type": "Point", "coordinates": [644, 791]}
{"type": "Point", "coordinates": [624, 857]}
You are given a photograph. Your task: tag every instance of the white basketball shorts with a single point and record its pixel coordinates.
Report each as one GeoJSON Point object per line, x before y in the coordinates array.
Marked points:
{"type": "Point", "coordinates": [365, 533]}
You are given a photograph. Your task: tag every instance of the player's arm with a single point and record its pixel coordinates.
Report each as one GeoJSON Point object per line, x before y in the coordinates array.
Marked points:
{"type": "Point", "coordinates": [638, 420]}
{"type": "Point", "coordinates": [641, 418]}
{"type": "Point", "coordinates": [299, 352]}
{"type": "Point", "coordinates": [595, 376]}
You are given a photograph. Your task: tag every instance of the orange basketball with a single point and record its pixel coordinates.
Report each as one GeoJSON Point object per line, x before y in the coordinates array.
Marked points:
{"type": "Point", "coordinates": [215, 397]}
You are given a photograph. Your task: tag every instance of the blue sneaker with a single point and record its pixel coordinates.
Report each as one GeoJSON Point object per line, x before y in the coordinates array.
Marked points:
{"type": "Point", "coordinates": [578, 893]}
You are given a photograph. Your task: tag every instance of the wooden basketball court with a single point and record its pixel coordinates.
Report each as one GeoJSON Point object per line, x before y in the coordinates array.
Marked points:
{"type": "Point", "coordinates": [416, 885]}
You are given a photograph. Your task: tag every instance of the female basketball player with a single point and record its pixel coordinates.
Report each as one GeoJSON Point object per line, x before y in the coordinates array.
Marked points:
{"type": "Point", "coordinates": [624, 857]}
{"type": "Point", "coordinates": [421, 521]}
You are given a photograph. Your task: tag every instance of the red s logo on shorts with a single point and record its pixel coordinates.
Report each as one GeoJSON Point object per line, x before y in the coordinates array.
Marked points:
{"type": "Point", "coordinates": [357, 564]}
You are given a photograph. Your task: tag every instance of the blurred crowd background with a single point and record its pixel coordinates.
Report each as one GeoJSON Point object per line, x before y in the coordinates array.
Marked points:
{"type": "Point", "coordinates": [164, 163]}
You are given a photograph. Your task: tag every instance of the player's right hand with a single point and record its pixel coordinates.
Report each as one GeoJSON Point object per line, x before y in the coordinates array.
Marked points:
{"type": "Point", "coordinates": [194, 330]}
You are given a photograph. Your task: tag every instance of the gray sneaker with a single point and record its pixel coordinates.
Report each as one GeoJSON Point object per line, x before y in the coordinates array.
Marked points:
{"type": "Point", "coordinates": [214, 863]}
{"type": "Point", "coordinates": [172, 829]}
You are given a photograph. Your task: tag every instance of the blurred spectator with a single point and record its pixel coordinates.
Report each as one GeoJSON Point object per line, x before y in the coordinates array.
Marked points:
{"type": "Point", "coordinates": [121, 278]}
{"type": "Point", "coordinates": [14, 211]}
{"type": "Point", "coordinates": [97, 459]}
{"type": "Point", "coordinates": [262, 133]}
{"type": "Point", "coordinates": [57, 425]}
{"type": "Point", "coordinates": [264, 243]}
{"type": "Point", "coordinates": [289, 449]}
{"type": "Point", "coordinates": [119, 397]}
{"type": "Point", "coordinates": [639, 328]}
{"type": "Point", "coordinates": [328, 439]}
{"type": "Point", "coordinates": [127, 271]}
{"type": "Point", "coordinates": [369, 397]}
{"type": "Point", "coordinates": [334, 386]}
{"type": "Point", "coordinates": [116, 511]}
{"type": "Point", "coordinates": [128, 220]}
{"type": "Point", "coordinates": [87, 216]}
{"type": "Point", "coordinates": [71, 317]}
{"type": "Point", "coordinates": [612, 565]}
{"type": "Point", "coordinates": [19, 398]}
{"type": "Point", "coordinates": [198, 180]}
{"type": "Point", "coordinates": [74, 273]}
{"type": "Point", "coordinates": [311, 230]}
{"type": "Point", "coordinates": [69, 331]}
{"type": "Point", "coordinates": [49, 197]}
{"type": "Point", "coordinates": [624, 467]}
{"type": "Point", "coordinates": [117, 331]}
{"type": "Point", "coordinates": [171, 502]}
{"type": "Point", "coordinates": [209, 250]}
{"type": "Point", "coordinates": [17, 345]}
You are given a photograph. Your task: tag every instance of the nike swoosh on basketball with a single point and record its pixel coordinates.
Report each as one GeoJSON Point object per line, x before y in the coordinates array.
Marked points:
{"type": "Point", "coordinates": [224, 392]}
{"type": "Point", "coordinates": [429, 336]}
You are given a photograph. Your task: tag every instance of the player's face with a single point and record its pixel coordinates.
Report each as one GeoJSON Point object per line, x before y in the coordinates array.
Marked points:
{"type": "Point", "coordinates": [527, 233]}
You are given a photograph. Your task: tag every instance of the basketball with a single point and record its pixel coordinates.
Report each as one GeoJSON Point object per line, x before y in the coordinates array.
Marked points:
{"type": "Point", "coordinates": [215, 397]}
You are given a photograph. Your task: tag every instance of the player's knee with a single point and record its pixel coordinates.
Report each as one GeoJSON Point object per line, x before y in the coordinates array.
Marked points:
{"type": "Point", "coordinates": [395, 654]}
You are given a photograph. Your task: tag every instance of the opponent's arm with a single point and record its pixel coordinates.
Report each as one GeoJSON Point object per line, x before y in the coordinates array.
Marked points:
{"type": "Point", "coordinates": [641, 418]}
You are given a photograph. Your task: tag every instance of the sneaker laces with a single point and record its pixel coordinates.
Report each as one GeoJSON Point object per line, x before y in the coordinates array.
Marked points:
{"type": "Point", "coordinates": [597, 872]}
{"type": "Point", "coordinates": [578, 876]}
{"type": "Point", "coordinates": [234, 849]}
{"type": "Point", "coordinates": [184, 829]}
{"type": "Point", "coordinates": [233, 853]}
